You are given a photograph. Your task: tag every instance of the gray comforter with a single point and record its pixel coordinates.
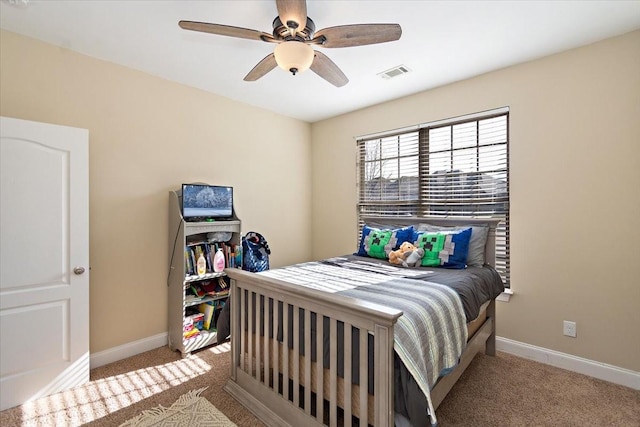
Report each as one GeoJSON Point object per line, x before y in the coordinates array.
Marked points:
{"type": "Point", "coordinates": [431, 333]}
{"type": "Point", "coordinates": [474, 285]}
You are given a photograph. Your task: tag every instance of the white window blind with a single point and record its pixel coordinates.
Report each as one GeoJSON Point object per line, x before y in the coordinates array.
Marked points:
{"type": "Point", "coordinates": [457, 167]}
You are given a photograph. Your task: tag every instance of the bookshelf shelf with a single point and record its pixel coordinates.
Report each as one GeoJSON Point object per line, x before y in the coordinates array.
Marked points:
{"type": "Point", "coordinates": [204, 339]}
{"type": "Point", "coordinates": [196, 278]}
{"type": "Point", "coordinates": [189, 303]}
{"type": "Point", "coordinates": [187, 240]}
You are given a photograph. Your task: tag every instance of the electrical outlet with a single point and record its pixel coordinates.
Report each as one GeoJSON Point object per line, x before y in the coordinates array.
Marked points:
{"type": "Point", "coordinates": [569, 328]}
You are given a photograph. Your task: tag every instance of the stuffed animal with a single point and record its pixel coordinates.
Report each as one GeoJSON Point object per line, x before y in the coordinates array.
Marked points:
{"type": "Point", "coordinates": [398, 256]}
{"type": "Point", "coordinates": [414, 258]}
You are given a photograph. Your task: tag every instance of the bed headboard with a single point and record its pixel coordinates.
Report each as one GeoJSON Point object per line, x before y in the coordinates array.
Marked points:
{"type": "Point", "coordinates": [489, 248]}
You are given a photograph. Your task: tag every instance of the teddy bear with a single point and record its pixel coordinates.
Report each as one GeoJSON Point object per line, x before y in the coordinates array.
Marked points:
{"type": "Point", "coordinates": [407, 255]}
{"type": "Point", "coordinates": [414, 258]}
{"type": "Point", "coordinates": [398, 256]}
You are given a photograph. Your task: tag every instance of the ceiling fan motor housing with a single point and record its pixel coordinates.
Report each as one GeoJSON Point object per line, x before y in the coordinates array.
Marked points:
{"type": "Point", "coordinates": [283, 32]}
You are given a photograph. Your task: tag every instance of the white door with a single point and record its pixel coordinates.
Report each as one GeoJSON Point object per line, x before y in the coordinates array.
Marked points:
{"type": "Point", "coordinates": [44, 260]}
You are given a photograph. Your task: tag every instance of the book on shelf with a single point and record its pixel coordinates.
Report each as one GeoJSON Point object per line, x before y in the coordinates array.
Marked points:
{"type": "Point", "coordinates": [207, 308]}
{"type": "Point", "coordinates": [208, 257]}
{"type": "Point", "coordinates": [193, 258]}
{"type": "Point", "coordinates": [188, 265]}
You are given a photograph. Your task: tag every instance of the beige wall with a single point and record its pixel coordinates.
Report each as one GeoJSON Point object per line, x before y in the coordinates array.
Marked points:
{"type": "Point", "coordinates": [575, 147]}
{"type": "Point", "coordinates": [574, 119]}
{"type": "Point", "coordinates": [146, 137]}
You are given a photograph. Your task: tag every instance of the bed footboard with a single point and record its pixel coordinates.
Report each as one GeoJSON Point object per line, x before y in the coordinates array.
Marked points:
{"type": "Point", "coordinates": [304, 391]}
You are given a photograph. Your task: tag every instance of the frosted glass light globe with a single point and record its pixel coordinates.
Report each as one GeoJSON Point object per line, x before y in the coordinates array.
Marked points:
{"type": "Point", "coordinates": [294, 56]}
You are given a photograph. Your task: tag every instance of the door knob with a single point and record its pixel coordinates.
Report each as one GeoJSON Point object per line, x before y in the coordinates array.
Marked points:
{"type": "Point", "coordinates": [78, 270]}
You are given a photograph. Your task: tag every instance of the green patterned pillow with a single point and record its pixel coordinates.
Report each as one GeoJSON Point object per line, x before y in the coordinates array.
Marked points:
{"type": "Point", "coordinates": [377, 243]}
{"type": "Point", "coordinates": [479, 232]}
{"type": "Point", "coordinates": [448, 250]}
{"type": "Point", "coordinates": [433, 244]}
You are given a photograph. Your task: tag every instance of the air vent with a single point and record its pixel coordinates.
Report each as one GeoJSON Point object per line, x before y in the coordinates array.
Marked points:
{"type": "Point", "coordinates": [394, 72]}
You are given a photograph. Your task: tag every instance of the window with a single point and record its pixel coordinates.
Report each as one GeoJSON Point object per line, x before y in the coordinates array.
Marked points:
{"type": "Point", "coordinates": [456, 167]}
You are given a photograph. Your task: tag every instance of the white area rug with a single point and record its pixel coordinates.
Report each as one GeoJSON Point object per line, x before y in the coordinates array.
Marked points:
{"type": "Point", "coordinates": [190, 410]}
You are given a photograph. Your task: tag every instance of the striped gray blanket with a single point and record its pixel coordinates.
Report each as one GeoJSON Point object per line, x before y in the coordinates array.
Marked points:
{"type": "Point", "coordinates": [430, 335]}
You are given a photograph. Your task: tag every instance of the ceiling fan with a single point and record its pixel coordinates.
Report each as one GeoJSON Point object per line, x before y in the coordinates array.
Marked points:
{"type": "Point", "coordinates": [294, 33]}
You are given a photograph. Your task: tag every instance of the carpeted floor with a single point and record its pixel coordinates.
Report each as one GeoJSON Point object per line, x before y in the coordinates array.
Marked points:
{"type": "Point", "coordinates": [510, 391]}
{"type": "Point", "coordinates": [494, 391]}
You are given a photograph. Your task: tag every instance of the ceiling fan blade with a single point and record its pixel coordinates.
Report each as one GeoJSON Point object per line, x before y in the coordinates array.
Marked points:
{"type": "Point", "coordinates": [357, 35]}
{"type": "Point", "coordinates": [328, 70]}
{"type": "Point", "coordinates": [292, 11]}
{"type": "Point", "coordinates": [226, 30]}
{"type": "Point", "coordinates": [262, 68]}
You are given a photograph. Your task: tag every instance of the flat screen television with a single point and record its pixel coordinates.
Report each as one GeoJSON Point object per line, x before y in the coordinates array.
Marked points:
{"type": "Point", "coordinates": [201, 202]}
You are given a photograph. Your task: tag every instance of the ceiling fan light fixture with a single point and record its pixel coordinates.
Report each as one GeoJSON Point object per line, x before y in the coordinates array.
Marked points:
{"type": "Point", "coordinates": [294, 34]}
{"type": "Point", "coordinates": [294, 56]}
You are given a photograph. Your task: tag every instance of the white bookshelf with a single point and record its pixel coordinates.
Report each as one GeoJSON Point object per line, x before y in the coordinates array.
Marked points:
{"type": "Point", "coordinates": [179, 281]}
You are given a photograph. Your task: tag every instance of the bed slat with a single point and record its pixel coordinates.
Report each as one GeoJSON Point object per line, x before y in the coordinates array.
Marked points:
{"type": "Point", "coordinates": [274, 347]}
{"type": "Point", "coordinates": [243, 327]}
{"type": "Point", "coordinates": [307, 362]}
{"type": "Point", "coordinates": [333, 369]}
{"type": "Point", "coordinates": [347, 374]}
{"type": "Point", "coordinates": [267, 342]}
{"type": "Point", "coordinates": [296, 355]}
{"type": "Point", "coordinates": [258, 351]}
{"type": "Point", "coordinates": [319, 368]}
{"type": "Point", "coordinates": [364, 406]}
{"type": "Point", "coordinates": [250, 336]}
{"type": "Point", "coordinates": [285, 354]}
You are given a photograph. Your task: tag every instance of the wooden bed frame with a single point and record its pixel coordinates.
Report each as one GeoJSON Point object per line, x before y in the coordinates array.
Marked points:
{"type": "Point", "coordinates": [269, 380]}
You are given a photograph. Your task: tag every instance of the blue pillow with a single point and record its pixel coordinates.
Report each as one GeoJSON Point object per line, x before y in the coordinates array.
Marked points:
{"type": "Point", "coordinates": [444, 249]}
{"type": "Point", "coordinates": [377, 243]}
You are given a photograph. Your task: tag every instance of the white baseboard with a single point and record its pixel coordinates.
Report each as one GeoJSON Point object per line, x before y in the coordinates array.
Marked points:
{"type": "Point", "coordinates": [602, 371]}
{"type": "Point", "coordinates": [127, 350]}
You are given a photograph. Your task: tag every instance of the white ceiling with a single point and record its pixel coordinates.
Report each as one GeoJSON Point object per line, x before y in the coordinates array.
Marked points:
{"type": "Point", "coordinates": [442, 42]}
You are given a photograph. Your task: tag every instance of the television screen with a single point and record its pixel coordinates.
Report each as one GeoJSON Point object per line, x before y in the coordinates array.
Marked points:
{"type": "Point", "coordinates": [201, 202]}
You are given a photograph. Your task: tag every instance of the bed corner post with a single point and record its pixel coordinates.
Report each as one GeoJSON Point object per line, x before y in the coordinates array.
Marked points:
{"type": "Point", "coordinates": [234, 300]}
{"type": "Point", "coordinates": [491, 341]}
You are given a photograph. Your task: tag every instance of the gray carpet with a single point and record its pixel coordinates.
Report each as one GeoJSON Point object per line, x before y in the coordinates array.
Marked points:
{"type": "Point", "coordinates": [494, 391]}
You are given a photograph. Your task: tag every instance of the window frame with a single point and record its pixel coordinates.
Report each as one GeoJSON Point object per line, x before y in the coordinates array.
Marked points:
{"type": "Point", "coordinates": [423, 205]}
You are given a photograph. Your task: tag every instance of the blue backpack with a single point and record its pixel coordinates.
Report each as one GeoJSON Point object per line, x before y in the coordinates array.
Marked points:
{"type": "Point", "coordinates": [255, 252]}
